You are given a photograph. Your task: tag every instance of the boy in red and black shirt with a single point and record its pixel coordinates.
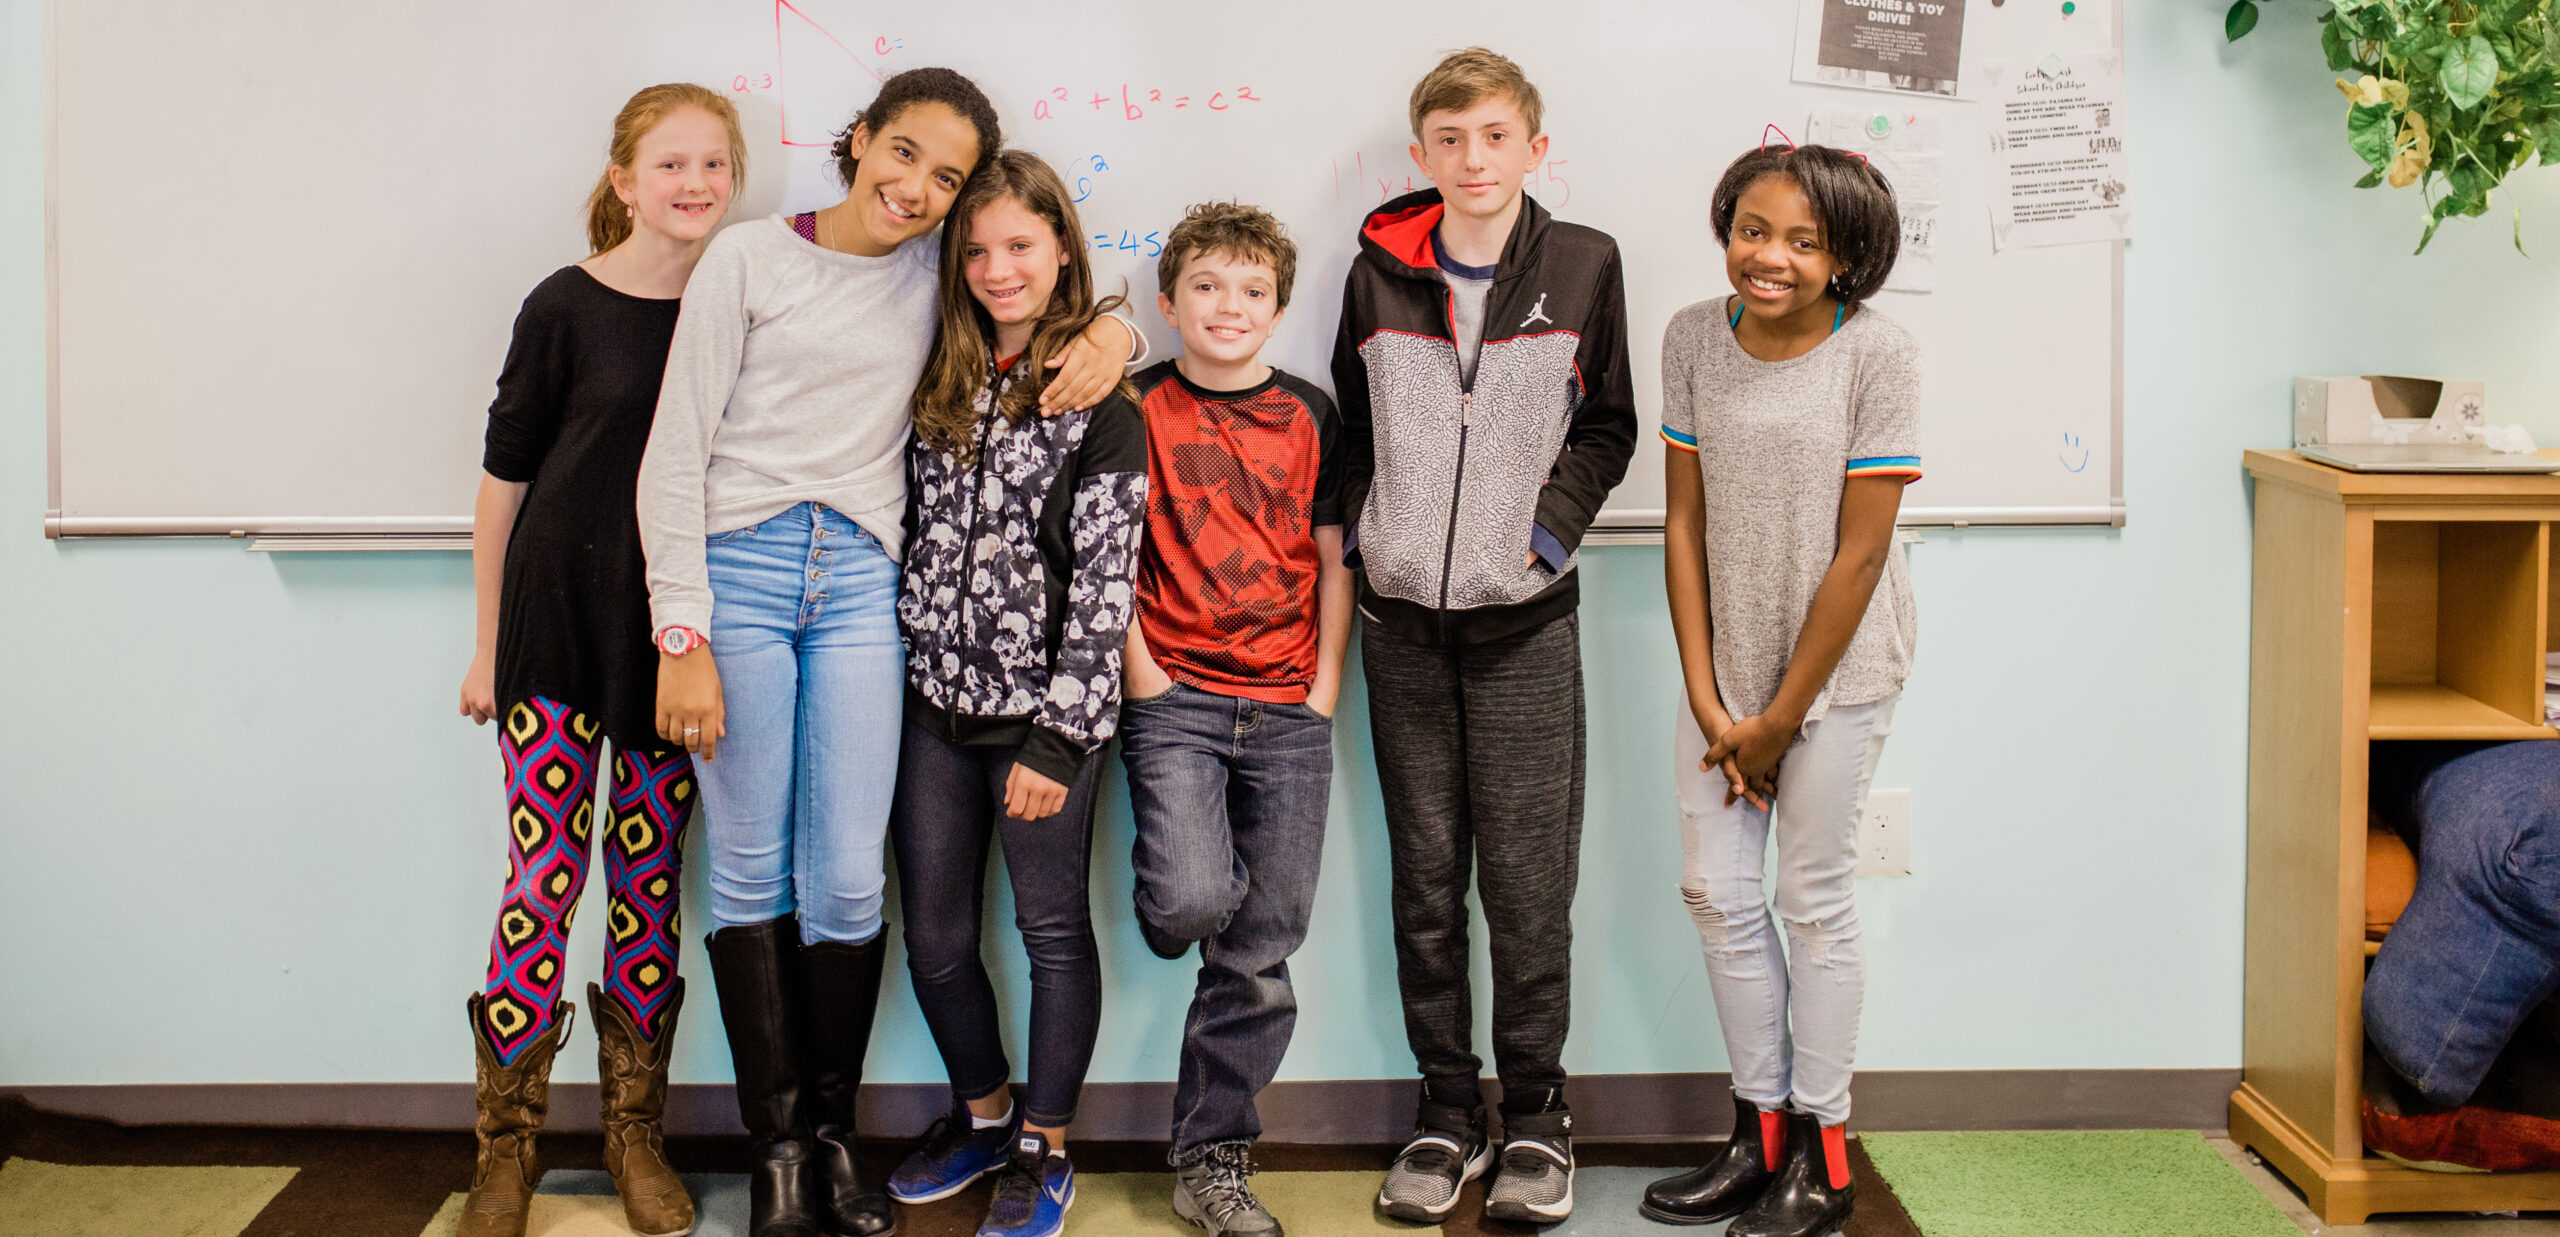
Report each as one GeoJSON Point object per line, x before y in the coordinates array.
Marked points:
{"type": "Point", "coordinates": [1244, 611]}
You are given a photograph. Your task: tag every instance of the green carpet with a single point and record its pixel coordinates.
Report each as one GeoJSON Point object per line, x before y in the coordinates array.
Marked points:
{"type": "Point", "coordinates": [2132, 1183]}
{"type": "Point", "coordinates": [55, 1200]}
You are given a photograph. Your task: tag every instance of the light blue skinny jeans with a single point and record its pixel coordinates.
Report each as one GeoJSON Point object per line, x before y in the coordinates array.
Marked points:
{"type": "Point", "coordinates": [795, 807]}
{"type": "Point", "coordinates": [1790, 1018]}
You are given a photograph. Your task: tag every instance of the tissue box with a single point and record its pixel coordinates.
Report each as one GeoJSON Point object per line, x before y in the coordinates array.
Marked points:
{"type": "Point", "coordinates": [2387, 408]}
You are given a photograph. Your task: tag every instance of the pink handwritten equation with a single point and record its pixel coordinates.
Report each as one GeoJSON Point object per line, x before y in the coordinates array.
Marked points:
{"type": "Point", "coordinates": [1137, 103]}
{"type": "Point", "coordinates": [813, 77]}
{"type": "Point", "coordinates": [1395, 175]}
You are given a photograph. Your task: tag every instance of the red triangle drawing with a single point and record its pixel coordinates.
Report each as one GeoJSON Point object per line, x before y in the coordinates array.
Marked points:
{"type": "Point", "coordinates": [809, 69]}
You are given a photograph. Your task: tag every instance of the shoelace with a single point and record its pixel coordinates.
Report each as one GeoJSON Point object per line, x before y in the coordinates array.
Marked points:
{"type": "Point", "coordinates": [1017, 1191]}
{"type": "Point", "coordinates": [1224, 1191]}
{"type": "Point", "coordinates": [938, 1139]}
{"type": "Point", "coordinates": [1524, 1157]}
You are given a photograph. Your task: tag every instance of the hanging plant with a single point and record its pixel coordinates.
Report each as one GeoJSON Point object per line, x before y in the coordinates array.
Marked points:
{"type": "Point", "coordinates": [2446, 95]}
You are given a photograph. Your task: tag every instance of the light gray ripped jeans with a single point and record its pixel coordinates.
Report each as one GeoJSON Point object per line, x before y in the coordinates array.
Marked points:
{"type": "Point", "coordinates": [1790, 1019]}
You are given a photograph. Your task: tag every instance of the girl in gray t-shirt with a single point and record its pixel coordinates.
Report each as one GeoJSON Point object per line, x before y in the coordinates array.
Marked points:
{"type": "Point", "coordinates": [1793, 414]}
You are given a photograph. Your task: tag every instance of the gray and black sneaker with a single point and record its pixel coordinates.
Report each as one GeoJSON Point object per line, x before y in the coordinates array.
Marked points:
{"type": "Point", "coordinates": [1534, 1185]}
{"type": "Point", "coordinates": [1449, 1149]}
{"type": "Point", "coordinates": [1214, 1194]}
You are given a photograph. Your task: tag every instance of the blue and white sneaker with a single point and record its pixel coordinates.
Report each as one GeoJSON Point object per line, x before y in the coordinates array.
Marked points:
{"type": "Point", "coordinates": [1033, 1192]}
{"type": "Point", "coordinates": [954, 1153]}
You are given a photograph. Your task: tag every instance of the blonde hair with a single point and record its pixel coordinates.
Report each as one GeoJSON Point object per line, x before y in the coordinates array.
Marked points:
{"type": "Point", "coordinates": [1467, 77]}
{"type": "Point", "coordinates": [946, 400]}
{"type": "Point", "coordinates": [608, 220]}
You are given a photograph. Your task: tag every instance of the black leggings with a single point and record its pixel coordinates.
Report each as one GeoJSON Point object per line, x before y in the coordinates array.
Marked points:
{"type": "Point", "coordinates": [950, 805]}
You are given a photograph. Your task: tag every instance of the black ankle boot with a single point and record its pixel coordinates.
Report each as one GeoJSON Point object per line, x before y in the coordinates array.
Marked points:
{"type": "Point", "coordinates": [1730, 1182]}
{"type": "Point", "coordinates": [756, 970]}
{"type": "Point", "coordinates": [1812, 1196]}
{"type": "Point", "coordinates": [841, 984]}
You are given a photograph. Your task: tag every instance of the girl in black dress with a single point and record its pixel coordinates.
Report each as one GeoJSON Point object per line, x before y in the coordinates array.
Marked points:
{"type": "Point", "coordinates": [565, 663]}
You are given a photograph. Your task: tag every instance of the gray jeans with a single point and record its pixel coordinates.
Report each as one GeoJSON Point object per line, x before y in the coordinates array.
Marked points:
{"type": "Point", "coordinates": [1480, 761]}
{"type": "Point", "coordinates": [1790, 1019]}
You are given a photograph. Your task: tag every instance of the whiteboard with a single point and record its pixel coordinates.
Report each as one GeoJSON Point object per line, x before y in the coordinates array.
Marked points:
{"type": "Point", "coordinates": [288, 238]}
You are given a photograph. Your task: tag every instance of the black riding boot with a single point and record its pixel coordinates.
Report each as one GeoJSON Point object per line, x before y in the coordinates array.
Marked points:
{"type": "Point", "coordinates": [841, 984]}
{"type": "Point", "coordinates": [756, 970]}
{"type": "Point", "coordinates": [1730, 1182]}
{"type": "Point", "coordinates": [1812, 1196]}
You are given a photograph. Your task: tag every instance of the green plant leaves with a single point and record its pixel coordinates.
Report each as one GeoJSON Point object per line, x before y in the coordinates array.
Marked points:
{"type": "Point", "coordinates": [2446, 96]}
{"type": "Point", "coordinates": [2469, 70]}
{"type": "Point", "coordinates": [2369, 133]}
{"type": "Point", "coordinates": [2242, 19]}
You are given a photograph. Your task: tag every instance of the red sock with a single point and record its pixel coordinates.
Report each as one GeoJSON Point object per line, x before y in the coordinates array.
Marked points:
{"type": "Point", "coordinates": [1835, 1153]}
{"type": "Point", "coordinates": [1773, 1138]}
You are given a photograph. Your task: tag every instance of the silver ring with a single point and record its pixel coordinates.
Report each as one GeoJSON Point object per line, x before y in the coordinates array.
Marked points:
{"type": "Point", "coordinates": [691, 731]}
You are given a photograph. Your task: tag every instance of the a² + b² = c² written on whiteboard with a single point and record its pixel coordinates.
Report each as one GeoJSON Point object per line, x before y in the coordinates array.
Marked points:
{"type": "Point", "coordinates": [318, 355]}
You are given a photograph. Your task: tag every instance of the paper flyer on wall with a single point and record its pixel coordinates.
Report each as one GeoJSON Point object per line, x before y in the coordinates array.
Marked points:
{"type": "Point", "coordinates": [1909, 147]}
{"type": "Point", "coordinates": [1915, 46]}
{"type": "Point", "coordinates": [2060, 171]}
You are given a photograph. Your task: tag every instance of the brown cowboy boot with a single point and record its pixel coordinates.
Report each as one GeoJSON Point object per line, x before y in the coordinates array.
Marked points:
{"type": "Point", "coordinates": [513, 1100]}
{"type": "Point", "coordinates": [632, 1073]}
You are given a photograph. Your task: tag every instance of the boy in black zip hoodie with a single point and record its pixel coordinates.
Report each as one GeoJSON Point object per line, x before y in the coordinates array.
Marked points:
{"type": "Point", "coordinates": [1481, 373]}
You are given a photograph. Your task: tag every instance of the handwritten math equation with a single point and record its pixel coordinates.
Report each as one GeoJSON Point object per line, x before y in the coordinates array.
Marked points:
{"type": "Point", "coordinates": [1080, 174]}
{"type": "Point", "coordinates": [1395, 175]}
{"type": "Point", "coordinates": [1137, 103]}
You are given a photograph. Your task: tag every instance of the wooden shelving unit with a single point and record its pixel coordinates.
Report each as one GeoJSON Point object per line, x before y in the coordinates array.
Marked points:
{"type": "Point", "coordinates": [2383, 607]}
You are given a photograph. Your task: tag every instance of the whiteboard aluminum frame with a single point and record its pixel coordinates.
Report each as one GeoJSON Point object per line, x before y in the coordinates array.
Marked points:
{"type": "Point", "coordinates": [360, 533]}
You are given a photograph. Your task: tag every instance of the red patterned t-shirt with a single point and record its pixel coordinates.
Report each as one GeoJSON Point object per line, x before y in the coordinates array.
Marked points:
{"type": "Point", "coordinates": [1237, 483]}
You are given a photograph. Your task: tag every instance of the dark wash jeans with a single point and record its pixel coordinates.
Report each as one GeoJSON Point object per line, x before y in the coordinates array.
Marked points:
{"type": "Point", "coordinates": [1229, 796]}
{"type": "Point", "coordinates": [2479, 946]}
{"type": "Point", "coordinates": [950, 806]}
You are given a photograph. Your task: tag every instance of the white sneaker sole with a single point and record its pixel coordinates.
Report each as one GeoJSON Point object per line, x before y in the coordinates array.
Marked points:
{"type": "Point", "coordinates": [947, 1191]}
{"type": "Point", "coordinates": [1475, 1166]}
{"type": "Point", "coordinates": [1531, 1213]}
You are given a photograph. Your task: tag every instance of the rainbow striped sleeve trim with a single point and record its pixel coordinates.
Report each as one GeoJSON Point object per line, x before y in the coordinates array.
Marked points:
{"type": "Point", "coordinates": [1906, 467]}
{"type": "Point", "coordinates": [1679, 441]}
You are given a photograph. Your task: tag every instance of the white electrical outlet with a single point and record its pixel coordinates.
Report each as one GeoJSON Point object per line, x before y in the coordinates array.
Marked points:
{"type": "Point", "coordinates": [1884, 834]}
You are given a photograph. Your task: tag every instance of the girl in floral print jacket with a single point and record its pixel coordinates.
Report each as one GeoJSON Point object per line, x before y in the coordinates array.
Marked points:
{"type": "Point", "coordinates": [1022, 530]}
{"type": "Point", "coordinates": [1016, 599]}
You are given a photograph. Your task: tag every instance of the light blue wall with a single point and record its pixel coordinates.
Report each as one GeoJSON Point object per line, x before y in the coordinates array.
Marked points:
{"type": "Point", "coordinates": [243, 836]}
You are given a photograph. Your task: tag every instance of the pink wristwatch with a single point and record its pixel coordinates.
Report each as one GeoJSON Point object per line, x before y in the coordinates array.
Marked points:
{"type": "Point", "coordinates": [678, 641]}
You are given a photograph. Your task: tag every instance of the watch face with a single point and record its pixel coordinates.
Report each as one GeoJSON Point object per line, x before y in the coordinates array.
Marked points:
{"type": "Point", "coordinates": [674, 642]}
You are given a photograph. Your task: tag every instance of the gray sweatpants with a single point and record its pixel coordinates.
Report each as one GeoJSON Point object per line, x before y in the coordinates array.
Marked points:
{"type": "Point", "coordinates": [1480, 757]}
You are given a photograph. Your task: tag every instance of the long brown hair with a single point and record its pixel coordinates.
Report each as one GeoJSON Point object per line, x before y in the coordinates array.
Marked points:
{"type": "Point", "coordinates": [608, 220]}
{"type": "Point", "coordinates": [946, 402]}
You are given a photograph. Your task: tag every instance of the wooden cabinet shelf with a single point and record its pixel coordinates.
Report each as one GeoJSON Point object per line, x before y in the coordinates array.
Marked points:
{"type": "Point", "coordinates": [2382, 607]}
{"type": "Point", "coordinates": [2434, 711]}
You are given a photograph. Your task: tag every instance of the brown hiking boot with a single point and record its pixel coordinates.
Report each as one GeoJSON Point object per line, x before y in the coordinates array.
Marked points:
{"type": "Point", "coordinates": [513, 1100]}
{"type": "Point", "coordinates": [631, 1073]}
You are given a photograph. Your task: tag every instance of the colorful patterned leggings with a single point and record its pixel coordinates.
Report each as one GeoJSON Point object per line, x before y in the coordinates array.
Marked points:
{"type": "Point", "coordinates": [551, 752]}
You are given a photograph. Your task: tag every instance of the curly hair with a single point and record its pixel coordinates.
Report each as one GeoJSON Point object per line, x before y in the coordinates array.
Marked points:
{"type": "Point", "coordinates": [1852, 203]}
{"type": "Point", "coordinates": [1245, 233]}
{"type": "Point", "coordinates": [908, 89]}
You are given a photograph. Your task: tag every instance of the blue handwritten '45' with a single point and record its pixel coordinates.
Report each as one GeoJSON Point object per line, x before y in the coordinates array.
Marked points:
{"type": "Point", "coordinates": [2070, 444]}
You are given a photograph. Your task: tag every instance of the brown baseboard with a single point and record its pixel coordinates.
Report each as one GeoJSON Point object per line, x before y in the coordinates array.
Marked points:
{"type": "Point", "coordinates": [1617, 1107]}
